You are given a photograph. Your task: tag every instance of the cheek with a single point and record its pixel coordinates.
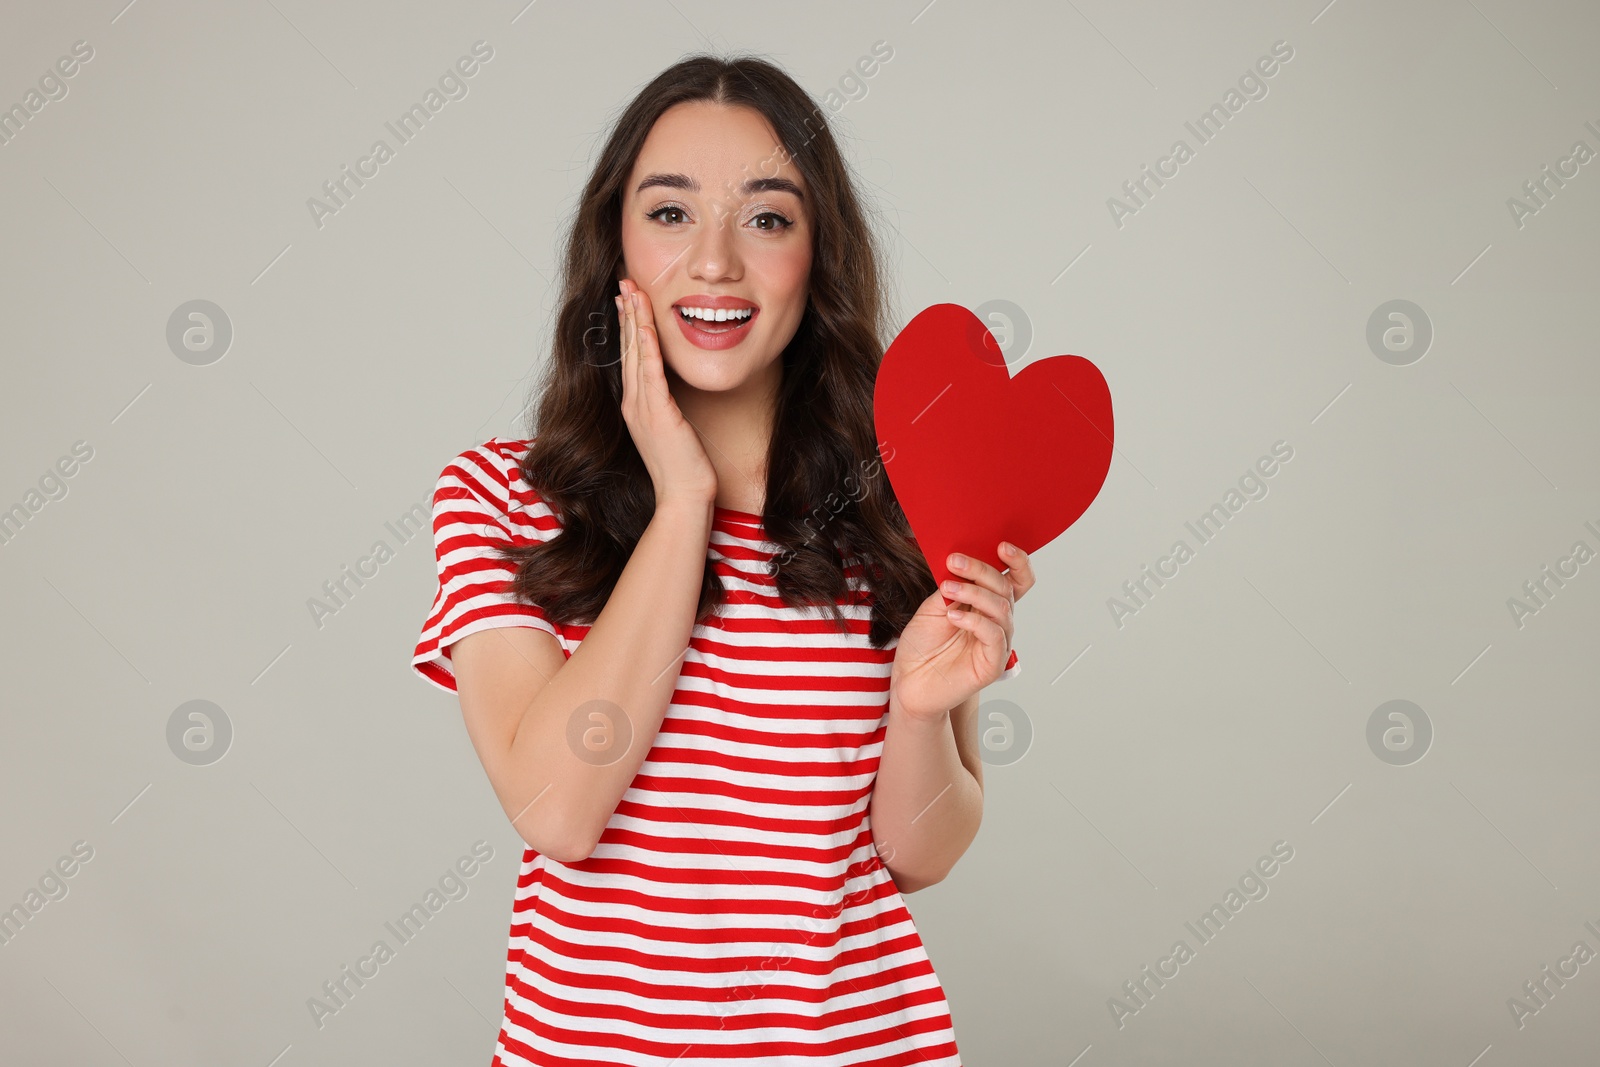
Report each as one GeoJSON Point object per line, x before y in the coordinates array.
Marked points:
{"type": "Point", "coordinates": [788, 272]}
{"type": "Point", "coordinates": [643, 256]}
{"type": "Point", "coordinates": [644, 263]}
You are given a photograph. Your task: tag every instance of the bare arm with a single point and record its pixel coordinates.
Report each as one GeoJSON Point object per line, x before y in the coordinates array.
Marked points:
{"type": "Point", "coordinates": [518, 697]}
{"type": "Point", "coordinates": [927, 801]}
{"type": "Point", "coordinates": [518, 694]}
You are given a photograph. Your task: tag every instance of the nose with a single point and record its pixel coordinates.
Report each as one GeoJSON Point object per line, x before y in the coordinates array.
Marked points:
{"type": "Point", "coordinates": [713, 253]}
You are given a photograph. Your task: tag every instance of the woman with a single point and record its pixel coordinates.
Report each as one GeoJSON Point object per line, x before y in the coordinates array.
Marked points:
{"type": "Point", "coordinates": [696, 648]}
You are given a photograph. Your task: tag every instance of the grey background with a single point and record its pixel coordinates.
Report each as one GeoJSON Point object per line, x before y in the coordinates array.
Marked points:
{"type": "Point", "coordinates": [1168, 754]}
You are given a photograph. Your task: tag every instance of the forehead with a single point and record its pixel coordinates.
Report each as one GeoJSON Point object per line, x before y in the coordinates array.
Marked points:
{"type": "Point", "coordinates": [719, 147]}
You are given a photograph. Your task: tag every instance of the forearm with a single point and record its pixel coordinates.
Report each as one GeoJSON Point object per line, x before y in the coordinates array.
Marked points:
{"type": "Point", "coordinates": [629, 661]}
{"type": "Point", "coordinates": [926, 806]}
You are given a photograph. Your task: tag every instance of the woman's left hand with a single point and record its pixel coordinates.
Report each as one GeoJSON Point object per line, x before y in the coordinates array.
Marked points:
{"type": "Point", "coordinates": [943, 659]}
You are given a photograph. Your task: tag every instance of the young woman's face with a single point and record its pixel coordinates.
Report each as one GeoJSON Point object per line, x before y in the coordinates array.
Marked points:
{"type": "Point", "coordinates": [714, 209]}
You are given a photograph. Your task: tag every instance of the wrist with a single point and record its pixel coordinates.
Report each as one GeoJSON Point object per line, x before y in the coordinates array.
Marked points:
{"type": "Point", "coordinates": [692, 507]}
{"type": "Point", "coordinates": [915, 719]}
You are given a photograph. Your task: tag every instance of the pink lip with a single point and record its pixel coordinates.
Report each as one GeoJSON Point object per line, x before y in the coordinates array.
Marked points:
{"type": "Point", "coordinates": [706, 300]}
{"type": "Point", "coordinates": [715, 341]}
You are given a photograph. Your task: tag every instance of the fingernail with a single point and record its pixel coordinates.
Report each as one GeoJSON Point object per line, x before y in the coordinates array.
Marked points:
{"type": "Point", "coordinates": [1007, 547]}
{"type": "Point", "coordinates": [952, 587]}
{"type": "Point", "coordinates": [958, 560]}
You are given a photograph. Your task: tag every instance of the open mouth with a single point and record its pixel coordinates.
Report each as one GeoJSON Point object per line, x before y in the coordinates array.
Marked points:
{"type": "Point", "coordinates": [719, 328]}
{"type": "Point", "coordinates": [716, 321]}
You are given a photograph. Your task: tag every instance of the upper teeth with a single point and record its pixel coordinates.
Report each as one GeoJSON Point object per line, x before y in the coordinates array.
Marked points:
{"type": "Point", "coordinates": [715, 315]}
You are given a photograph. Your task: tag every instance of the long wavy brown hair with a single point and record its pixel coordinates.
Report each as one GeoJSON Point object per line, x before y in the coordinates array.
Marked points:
{"type": "Point", "coordinates": [828, 505]}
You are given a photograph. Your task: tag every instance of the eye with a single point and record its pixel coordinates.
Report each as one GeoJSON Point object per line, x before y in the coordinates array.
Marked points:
{"type": "Point", "coordinates": [779, 224]}
{"type": "Point", "coordinates": [787, 223]}
{"type": "Point", "coordinates": [663, 209]}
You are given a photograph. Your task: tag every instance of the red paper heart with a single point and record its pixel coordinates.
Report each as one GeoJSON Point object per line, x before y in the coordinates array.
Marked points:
{"type": "Point", "coordinates": [976, 456]}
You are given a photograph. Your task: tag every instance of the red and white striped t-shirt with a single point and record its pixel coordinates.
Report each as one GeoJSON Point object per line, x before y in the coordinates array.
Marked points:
{"type": "Point", "coordinates": [735, 910]}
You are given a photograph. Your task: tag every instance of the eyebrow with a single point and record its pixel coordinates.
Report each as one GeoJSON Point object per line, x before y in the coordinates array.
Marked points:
{"type": "Point", "coordinates": [754, 185]}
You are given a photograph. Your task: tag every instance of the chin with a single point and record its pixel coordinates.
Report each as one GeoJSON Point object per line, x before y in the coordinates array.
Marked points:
{"type": "Point", "coordinates": [709, 372]}
{"type": "Point", "coordinates": [712, 383]}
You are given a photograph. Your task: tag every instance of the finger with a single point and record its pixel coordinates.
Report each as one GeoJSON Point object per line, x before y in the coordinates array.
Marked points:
{"type": "Point", "coordinates": [988, 632]}
{"type": "Point", "coordinates": [995, 605]}
{"type": "Point", "coordinates": [652, 371]}
{"type": "Point", "coordinates": [976, 570]}
{"type": "Point", "coordinates": [631, 334]}
{"type": "Point", "coordinates": [1021, 567]}
{"type": "Point", "coordinates": [928, 657]}
{"type": "Point", "coordinates": [622, 342]}
{"type": "Point", "coordinates": [622, 349]}
{"type": "Point", "coordinates": [646, 326]}
{"type": "Point", "coordinates": [644, 373]}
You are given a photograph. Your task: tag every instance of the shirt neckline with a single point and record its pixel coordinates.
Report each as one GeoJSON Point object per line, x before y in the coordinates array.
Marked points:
{"type": "Point", "coordinates": [731, 518]}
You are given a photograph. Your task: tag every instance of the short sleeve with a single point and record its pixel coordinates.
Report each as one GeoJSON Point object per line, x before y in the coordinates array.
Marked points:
{"type": "Point", "coordinates": [472, 518]}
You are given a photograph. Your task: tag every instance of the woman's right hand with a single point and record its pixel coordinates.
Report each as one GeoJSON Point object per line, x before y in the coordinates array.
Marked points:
{"type": "Point", "coordinates": [668, 444]}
